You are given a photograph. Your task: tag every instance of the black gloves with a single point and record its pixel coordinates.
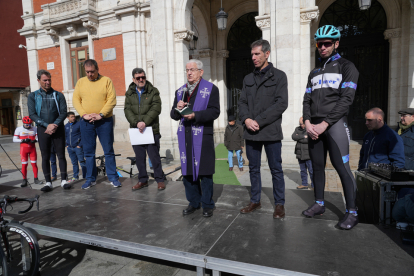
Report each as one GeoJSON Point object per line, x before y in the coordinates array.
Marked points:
{"type": "Point", "coordinates": [27, 140]}
{"type": "Point", "coordinates": [33, 141]}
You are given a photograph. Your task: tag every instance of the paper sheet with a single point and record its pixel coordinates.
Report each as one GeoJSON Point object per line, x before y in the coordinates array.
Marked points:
{"type": "Point", "coordinates": [138, 138]}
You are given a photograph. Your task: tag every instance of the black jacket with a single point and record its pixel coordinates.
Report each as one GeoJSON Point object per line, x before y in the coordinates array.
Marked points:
{"type": "Point", "coordinates": [264, 100]}
{"type": "Point", "coordinates": [50, 112]}
{"type": "Point", "coordinates": [301, 148]}
{"type": "Point", "coordinates": [206, 117]}
{"type": "Point", "coordinates": [147, 111]}
{"type": "Point", "coordinates": [332, 100]}
{"type": "Point", "coordinates": [408, 139]}
{"type": "Point", "coordinates": [233, 137]}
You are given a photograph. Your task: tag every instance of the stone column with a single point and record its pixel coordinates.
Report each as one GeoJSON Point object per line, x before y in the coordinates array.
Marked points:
{"type": "Point", "coordinates": [127, 13]}
{"type": "Point", "coordinates": [205, 56]}
{"type": "Point", "coordinates": [182, 53]}
{"type": "Point", "coordinates": [162, 33]}
{"type": "Point", "coordinates": [221, 123]}
{"type": "Point", "coordinates": [263, 22]}
{"type": "Point", "coordinates": [307, 15]}
{"type": "Point", "coordinates": [410, 84]}
{"type": "Point", "coordinates": [394, 37]}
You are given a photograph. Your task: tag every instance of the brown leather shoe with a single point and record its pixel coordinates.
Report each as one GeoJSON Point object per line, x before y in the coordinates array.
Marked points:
{"type": "Point", "coordinates": [251, 207]}
{"type": "Point", "coordinates": [231, 169]}
{"type": "Point", "coordinates": [279, 211]}
{"type": "Point", "coordinates": [161, 186]}
{"type": "Point", "coordinates": [139, 185]}
{"type": "Point", "coordinates": [241, 169]}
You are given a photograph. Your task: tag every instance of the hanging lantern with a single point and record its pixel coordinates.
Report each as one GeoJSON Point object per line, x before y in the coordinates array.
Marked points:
{"type": "Point", "coordinates": [364, 4]}
{"type": "Point", "coordinates": [222, 18]}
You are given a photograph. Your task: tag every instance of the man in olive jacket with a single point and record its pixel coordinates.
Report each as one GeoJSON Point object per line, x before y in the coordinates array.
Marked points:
{"type": "Point", "coordinates": [263, 100]}
{"type": "Point", "coordinates": [142, 108]}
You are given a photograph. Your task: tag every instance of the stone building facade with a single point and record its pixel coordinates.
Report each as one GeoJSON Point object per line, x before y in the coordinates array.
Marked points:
{"type": "Point", "coordinates": [162, 35]}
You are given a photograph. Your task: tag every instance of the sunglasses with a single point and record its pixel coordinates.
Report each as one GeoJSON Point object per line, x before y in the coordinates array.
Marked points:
{"type": "Point", "coordinates": [139, 78]}
{"type": "Point", "coordinates": [326, 44]}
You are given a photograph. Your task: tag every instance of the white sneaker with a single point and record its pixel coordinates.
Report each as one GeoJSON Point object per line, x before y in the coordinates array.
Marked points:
{"type": "Point", "coordinates": [47, 188]}
{"type": "Point", "coordinates": [65, 185]}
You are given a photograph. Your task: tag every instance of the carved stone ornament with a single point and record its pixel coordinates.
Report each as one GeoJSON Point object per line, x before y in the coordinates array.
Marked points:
{"type": "Point", "coordinates": [223, 54]}
{"type": "Point", "coordinates": [263, 22]}
{"type": "Point", "coordinates": [183, 35]}
{"type": "Point", "coordinates": [307, 15]}
{"type": "Point", "coordinates": [150, 63]}
{"type": "Point", "coordinates": [392, 33]}
{"type": "Point", "coordinates": [72, 30]}
{"type": "Point", "coordinates": [205, 53]}
{"type": "Point", "coordinates": [92, 28]}
{"type": "Point", "coordinates": [65, 7]}
{"type": "Point", "coordinates": [54, 34]}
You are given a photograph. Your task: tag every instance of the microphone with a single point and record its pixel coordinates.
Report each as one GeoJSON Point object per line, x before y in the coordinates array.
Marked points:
{"type": "Point", "coordinates": [185, 92]}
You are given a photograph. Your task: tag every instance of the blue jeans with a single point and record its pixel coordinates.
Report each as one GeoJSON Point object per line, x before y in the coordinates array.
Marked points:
{"type": "Point", "coordinates": [403, 210]}
{"type": "Point", "coordinates": [76, 155]}
{"type": "Point", "coordinates": [239, 159]}
{"type": "Point", "coordinates": [305, 166]}
{"type": "Point", "coordinates": [53, 161]}
{"type": "Point", "coordinates": [274, 156]}
{"type": "Point", "coordinates": [105, 131]}
{"type": "Point", "coordinates": [149, 162]}
{"type": "Point", "coordinates": [199, 191]}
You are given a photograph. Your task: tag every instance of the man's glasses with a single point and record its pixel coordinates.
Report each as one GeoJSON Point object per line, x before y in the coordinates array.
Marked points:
{"type": "Point", "coordinates": [326, 44]}
{"type": "Point", "coordinates": [192, 70]}
{"type": "Point", "coordinates": [141, 78]}
{"type": "Point", "coordinates": [405, 115]}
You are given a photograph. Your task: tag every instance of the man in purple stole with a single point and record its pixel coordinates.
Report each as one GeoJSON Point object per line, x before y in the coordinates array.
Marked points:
{"type": "Point", "coordinates": [195, 137]}
{"type": "Point", "coordinates": [263, 100]}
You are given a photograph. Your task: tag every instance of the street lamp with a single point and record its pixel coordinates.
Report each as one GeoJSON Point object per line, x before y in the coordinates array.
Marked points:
{"type": "Point", "coordinates": [222, 18]}
{"type": "Point", "coordinates": [364, 4]}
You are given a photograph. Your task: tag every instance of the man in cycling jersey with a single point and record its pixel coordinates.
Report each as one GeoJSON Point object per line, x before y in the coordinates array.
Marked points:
{"type": "Point", "coordinates": [26, 135]}
{"type": "Point", "coordinates": [329, 93]}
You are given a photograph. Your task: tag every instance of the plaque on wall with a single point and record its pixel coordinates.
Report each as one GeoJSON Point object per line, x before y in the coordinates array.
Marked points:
{"type": "Point", "coordinates": [50, 65]}
{"type": "Point", "coordinates": [109, 54]}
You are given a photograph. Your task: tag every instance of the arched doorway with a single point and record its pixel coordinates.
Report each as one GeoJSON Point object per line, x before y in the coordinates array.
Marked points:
{"type": "Point", "coordinates": [363, 43]}
{"type": "Point", "coordinates": [239, 63]}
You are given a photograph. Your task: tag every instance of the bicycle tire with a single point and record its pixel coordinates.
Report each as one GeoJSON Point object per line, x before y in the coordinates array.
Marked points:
{"type": "Point", "coordinates": [24, 249]}
{"type": "Point", "coordinates": [3, 263]}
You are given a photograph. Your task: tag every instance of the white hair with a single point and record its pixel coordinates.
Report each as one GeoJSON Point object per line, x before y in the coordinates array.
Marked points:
{"type": "Point", "coordinates": [197, 62]}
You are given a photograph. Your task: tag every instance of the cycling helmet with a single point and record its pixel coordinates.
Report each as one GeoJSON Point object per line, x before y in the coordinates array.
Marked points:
{"type": "Point", "coordinates": [27, 120]}
{"type": "Point", "coordinates": [327, 31]}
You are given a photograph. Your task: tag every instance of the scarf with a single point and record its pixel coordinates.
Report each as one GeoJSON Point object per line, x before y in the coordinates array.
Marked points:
{"type": "Point", "coordinates": [191, 87]}
{"type": "Point", "coordinates": [403, 128]}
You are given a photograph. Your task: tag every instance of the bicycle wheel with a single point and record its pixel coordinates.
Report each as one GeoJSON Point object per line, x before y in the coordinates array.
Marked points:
{"type": "Point", "coordinates": [3, 264]}
{"type": "Point", "coordinates": [23, 248]}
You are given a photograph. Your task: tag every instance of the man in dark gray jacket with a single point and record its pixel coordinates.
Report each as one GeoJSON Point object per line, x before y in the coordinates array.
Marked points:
{"type": "Point", "coordinates": [47, 108]}
{"type": "Point", "coordinates": [263, 100]}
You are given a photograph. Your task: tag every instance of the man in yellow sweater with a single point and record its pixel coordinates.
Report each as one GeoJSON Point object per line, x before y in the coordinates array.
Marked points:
{"type": "Point", "coordinates": [94, 99]}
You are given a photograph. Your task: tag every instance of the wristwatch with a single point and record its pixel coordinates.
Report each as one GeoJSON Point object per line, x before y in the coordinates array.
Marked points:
{"type": "Point", "coordinates": [100, 114]}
